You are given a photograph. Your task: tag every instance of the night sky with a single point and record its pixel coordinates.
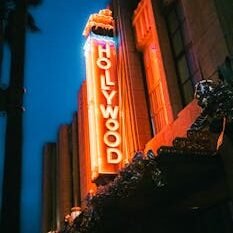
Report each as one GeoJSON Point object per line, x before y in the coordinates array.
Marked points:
{"type": "Point", "coordinates": [54, 70]}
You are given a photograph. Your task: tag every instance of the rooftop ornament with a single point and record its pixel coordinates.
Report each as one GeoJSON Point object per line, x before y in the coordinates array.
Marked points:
{"type": "Point", "coordinates": [103, 20]}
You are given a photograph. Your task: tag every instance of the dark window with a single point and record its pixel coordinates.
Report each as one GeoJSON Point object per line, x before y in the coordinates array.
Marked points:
{"type": "Point", "coordinates": [181, 49]}
{"type": "Point", "coordinates": [224, 11]}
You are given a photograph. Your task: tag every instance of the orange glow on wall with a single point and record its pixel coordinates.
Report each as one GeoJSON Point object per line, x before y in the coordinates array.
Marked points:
{"type": "Point", "coordinates": [83, 145]}
{"type": "Point", "coordinates": [103, 105]}
{"type": "Point", "coordinates": [147, 41]}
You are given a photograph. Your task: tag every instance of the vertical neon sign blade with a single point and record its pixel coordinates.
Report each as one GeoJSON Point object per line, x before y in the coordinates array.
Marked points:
{"type": "Point", "coordinates": [103, 102]}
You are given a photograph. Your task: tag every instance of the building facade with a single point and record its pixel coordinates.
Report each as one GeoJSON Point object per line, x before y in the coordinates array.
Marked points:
{"type": "Point", "coordinates": [144, 60]}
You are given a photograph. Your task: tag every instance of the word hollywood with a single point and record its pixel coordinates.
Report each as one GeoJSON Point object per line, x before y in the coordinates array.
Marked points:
{"type": "Point", "coordinates": [109, 111]}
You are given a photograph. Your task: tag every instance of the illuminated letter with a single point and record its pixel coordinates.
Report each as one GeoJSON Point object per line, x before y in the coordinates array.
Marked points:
{"type": "Point", "coordinates": [112, 124]}
{"type": "Point", "coordinates": [109, 111]}
{"type": "Point", "coordinates": [102, 50]}
{"type": "Point", "coordinates": [114, 143]}
{"type": "Point", "coordinates": [102, 60]}
{"type": "Point", "coordinates": [105, 81]}
{"type": "Point", "coordinates": [114, 155]}
{"type": "Point", "coordinates": [109, 96]}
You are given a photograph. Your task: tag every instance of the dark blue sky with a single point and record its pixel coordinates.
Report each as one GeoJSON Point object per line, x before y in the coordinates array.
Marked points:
{"type": "Point", "coordinates": [54, 71]}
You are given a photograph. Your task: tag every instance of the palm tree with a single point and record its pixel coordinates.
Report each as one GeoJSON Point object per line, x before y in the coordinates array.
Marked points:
{"type": "Point", "coordinates": [14, 19]}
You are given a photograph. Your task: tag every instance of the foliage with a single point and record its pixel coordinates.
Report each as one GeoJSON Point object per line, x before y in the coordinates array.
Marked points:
{"type": "Point", "coordinates": [122, 187]}
{"type": "Point", "coordinates": [8, 9]}
{"type": "Point", "coordinates": [216, 100]}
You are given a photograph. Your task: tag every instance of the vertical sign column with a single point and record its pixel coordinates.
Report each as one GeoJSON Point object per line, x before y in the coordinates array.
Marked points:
{"type": "Point", "coordinates": [103, 105]}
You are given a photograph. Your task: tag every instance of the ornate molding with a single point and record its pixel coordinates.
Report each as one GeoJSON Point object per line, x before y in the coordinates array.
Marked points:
{"type": "Point", "coordinates": [100, 23]}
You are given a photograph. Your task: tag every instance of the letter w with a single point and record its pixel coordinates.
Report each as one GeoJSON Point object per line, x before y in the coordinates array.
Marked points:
{"type": "Point", "coordinates": [108, 111]}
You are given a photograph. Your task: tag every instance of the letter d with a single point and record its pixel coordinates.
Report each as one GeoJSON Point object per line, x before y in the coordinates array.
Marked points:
{"type": "Point", "coordinates": [114, 155]}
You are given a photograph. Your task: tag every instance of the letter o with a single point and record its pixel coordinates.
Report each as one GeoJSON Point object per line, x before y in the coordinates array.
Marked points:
{"type": "Point", "coordinates": [102, 60]}
{"type": "Point", "coordinates": [109, 143]}
{"type": "Point", "coordinates": [112, 124]}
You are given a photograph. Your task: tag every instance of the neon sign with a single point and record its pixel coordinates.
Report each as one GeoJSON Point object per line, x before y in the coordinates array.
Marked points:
{"type": "Point", "coordinates": [110, 112]}
{"type": "Point", "coordinates": [103, 105]}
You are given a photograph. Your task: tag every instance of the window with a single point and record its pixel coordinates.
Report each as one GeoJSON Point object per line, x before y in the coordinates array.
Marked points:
{"type": "Point", "coordinates": [181, 49]}
{"type": "Point", "coordinates": [224, 11]}
{"type": "Point", "coordinates": [147, 40]}
{"type": "Point", "coordinates": [155, 89]}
